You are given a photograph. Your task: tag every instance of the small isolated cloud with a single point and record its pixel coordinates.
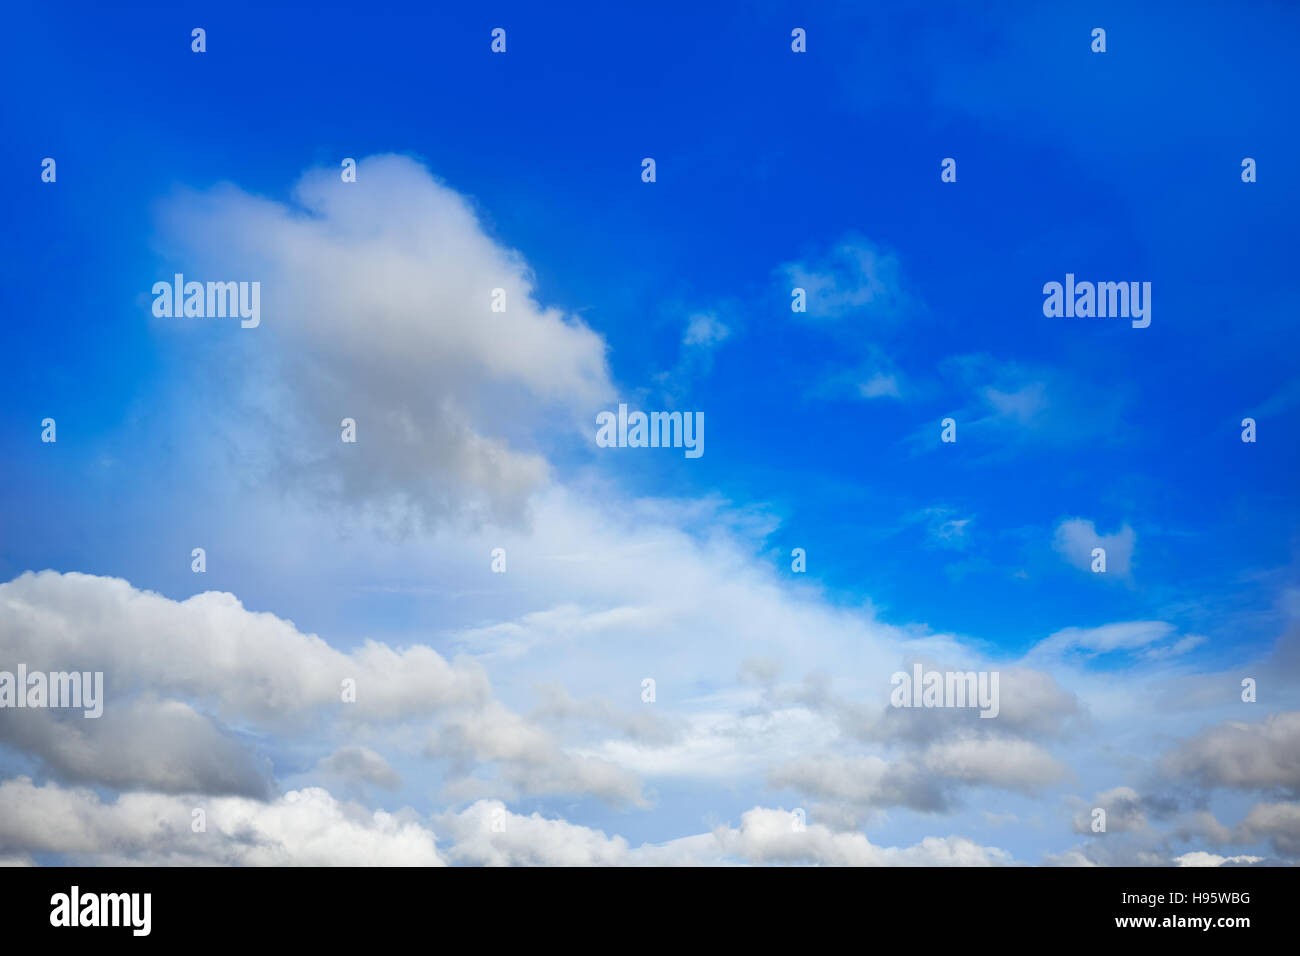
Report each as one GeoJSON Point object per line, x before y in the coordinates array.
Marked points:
{"type": "Point", "coordinates": [703, 334]}
{"type": "Point", "coordinates": [1023, 406]}
{"type": "Point", "coordinates": [944, 527]}
{"type": "Point", "coordinates": [1076, 538]}
{"type": "Point", "coordinates": [856, 277]}
{"type": "Point", "coordinates": [705, 329]}
{"type": "Point", "coordinates": [1011, 403]}
{"type": "Point", "coordinates": [1180, 646]}
{"type": "Point", "coordinates": [879, 385]}
{"type": "Point", "coordinates": [873, 375]}
{"type": "Point", "coordinates": [1091, 641]}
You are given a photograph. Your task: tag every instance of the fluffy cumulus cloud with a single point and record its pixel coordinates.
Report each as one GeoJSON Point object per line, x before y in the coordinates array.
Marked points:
{"type": "Point", "coordinates": [377, 305]}
{"type": "Point", "coordinates": [488, 834]}
{"type": "Point", "coordinates": [778, 836]}
{"type": "Point", "coordinates": [1143, 829]}
{"type": "Point", "coordinates": [310, 827]}
{"type": "Point", "coordinates": [244, 665]}
{"type": "Point", "coordinates": [249, 668]}
{"type": "Point", "coordinates": [299, 828]}
{"type": "Point", "coordinates": [162, 745]}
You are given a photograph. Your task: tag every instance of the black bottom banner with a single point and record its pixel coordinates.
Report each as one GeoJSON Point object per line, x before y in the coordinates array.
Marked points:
{"type": "Point", "coordinates": [1217, 906]}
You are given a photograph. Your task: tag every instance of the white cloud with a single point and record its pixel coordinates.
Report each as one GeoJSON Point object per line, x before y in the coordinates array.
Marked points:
{"type": "Point", "coordinates": [770, 836]}
{"type": "Point", "coordinates": [530, 759]}
{"type": "Point", "coordinates": [1279, 823]}
{"type": "Point", "coordinates": [487, 834]}
{"type": "Point", "coordinates": [1243, 756]}
{"type": "Point", "coordinates": [1124, 812]}
{"type": "Point", "coordinates": [1076, 538]}
{"type": "Point", "coordinates": [144, 743]}
{"type": "Point", "coordinates": [357, 764]}
{"type": "Point", "coordinates": [853, 787]}
{"type": "Point", "coordinates": [1177, 648]}
{"type": "Point", "coordinates": [763, 837]}
{"type": "Point", "coordinates": [1202, 858]}
{"type": "Point", "coordinates": [310, 827]}
{"type": "Point", "coordinates": [860, 783]}
{"type": "Point", "coordinates": [1024, 405]}
{"type": "Point", "coordinates": [376, 305]}
{"type": "Point", "coordinates": [244, 664]}
{"type": "Point", "coordinates": [879, 385]}
{"type": "Point", "coordinates": [1201, 826]}
{"type": "Point", "coordinates": [1124, 636]}
{"type": "Point", "coordinates": [301, 828]}
{"type": "Point", "coordinates": [1011, 764]}
{"type": "Point", "coordinates": [704, 329]}
{"type": "Point", "coordinates": [1075, 856]}
{"type": "Point", "coordinates": [856, 277]}
{"type": "Point", "coordinates": [1012, 404]}
{"type": "Point", "coordinates": [255, 667]}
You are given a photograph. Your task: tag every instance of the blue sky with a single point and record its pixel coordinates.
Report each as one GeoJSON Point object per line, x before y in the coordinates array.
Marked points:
{"type": "Point", "coordinates": [822, 428]}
